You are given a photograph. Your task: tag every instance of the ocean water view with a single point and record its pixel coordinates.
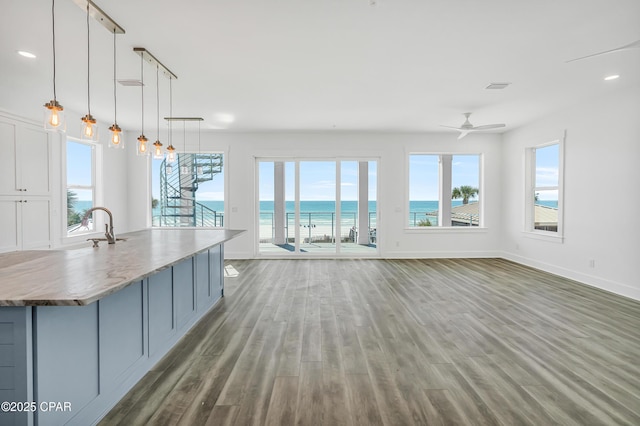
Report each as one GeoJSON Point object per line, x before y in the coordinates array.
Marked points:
{"type": "Point", "coordinates": [318, 218]}
{"type": "Point", "coordinates": [320, 210]}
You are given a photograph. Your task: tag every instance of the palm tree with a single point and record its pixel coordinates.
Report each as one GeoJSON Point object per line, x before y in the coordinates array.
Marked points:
{"type": "Point", "coordinates": [73, 217]}
{"type": "Point", "coordinates": [465, 192]}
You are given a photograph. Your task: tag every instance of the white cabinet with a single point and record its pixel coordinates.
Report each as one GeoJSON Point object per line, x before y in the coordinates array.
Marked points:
{"type": "Point", "coordinates": [27, 151]}
{"type": "Point", "coordinates": [25, 186]}
{"type": "Point", "coordinates": [26, 224]}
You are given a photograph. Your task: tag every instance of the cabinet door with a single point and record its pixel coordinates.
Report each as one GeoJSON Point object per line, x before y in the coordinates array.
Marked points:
{"type": "Point", "coordinates": [9, 234]}
{"type": "Point", "coordinates": [35, 214]}
{"type": "Point", "coordinates": [8, 170]}
{"type": "Point", "coordinates": [32, 160]}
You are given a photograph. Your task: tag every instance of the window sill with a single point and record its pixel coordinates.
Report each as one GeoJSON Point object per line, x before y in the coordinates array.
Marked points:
{"type": "Point", "coordinates": [447, 229]}
{"type": "Point", "coordinates": [543, 236]}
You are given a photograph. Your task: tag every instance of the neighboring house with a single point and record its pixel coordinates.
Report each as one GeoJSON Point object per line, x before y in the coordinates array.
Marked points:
{"type": "Point", "coordinates": [546, 218]}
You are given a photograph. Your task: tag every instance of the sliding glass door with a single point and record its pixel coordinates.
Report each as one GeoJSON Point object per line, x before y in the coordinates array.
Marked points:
{"type": "Point", "coordinates": [317, 207]}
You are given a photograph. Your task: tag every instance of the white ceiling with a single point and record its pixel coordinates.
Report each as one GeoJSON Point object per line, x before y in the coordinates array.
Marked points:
{"type": "Point", "coordinates": [398, 65]}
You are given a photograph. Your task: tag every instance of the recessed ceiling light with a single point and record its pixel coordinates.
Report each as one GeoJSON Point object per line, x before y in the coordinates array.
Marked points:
{"type": "Point", "coordinates": [26, 54]}
{"type": "Point", "coordinates": [497, 86]}
{"type": "Point", "coordinates": [130, 82]}
{"type": "Point", "coordinates": [611, 77]}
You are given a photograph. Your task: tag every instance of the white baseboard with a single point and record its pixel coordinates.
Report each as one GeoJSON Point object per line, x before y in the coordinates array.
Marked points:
{"type": "Point", "coordinates": [439, 254]}
{"type": "Point", "coordinates": [590, 280]}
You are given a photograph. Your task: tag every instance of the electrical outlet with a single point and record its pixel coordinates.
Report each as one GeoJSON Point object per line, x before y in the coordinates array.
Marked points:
{"type": "Point", "coordinates": [592, 263]}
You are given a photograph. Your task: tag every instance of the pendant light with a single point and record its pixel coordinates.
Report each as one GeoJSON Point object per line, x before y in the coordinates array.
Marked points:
{"type": "Point", "coordinates": [116, 138]}
{"type": "Point", "coordinates": [157, 145]}
{"type": "Point", "coordinates": [171, 151]}
{"type": "Point", "coordinates": [142, 140]}
{"type": "Point", "coordinates": [54, 113]}
{"type": "Point", "coordinates": [184, 169]}
{"type": "Point", "coordinates": [89, 127]}
{"type": "Point", "coordinates": [199, 168]}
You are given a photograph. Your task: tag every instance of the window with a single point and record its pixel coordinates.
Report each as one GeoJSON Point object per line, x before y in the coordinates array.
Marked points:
{"type": "Point", "coordinates": [544, 188]}
{"type": "Point", "coordinates": [444, 190]}
{"type": "Point", "coordinates": [317, 206]}
{"type": "Point", "coordinates": [188, 192]}
{"type": "Point", "coordinates": [81, 185]}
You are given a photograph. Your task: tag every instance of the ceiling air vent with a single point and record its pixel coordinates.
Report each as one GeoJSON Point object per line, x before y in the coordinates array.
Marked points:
{"type": "Point", "coordinates": [497, 86]}
{"type": "Point", "coordinates": [130, 82]}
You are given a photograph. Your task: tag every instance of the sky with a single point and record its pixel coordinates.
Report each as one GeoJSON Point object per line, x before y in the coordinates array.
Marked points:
{"type": "Point", "coordinates": [79, 163]}
{"type": "Point", "coordinates": [318, 180]}
{"type": "Point", "coordinates": [424, 174]}
{"type": "Point", "coordinates": [547, 175]}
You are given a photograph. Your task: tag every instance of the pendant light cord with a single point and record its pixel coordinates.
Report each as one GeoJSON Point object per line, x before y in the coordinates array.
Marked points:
{"type": "Point", "coordinates": [88, 65]}
{"type": "Point", "coordinates": [115, 99]}
{"type": "Point", "coordinates": [53, 21]}
{"type": "Point", "coordinates": [142, 89]}
{"type": "Point", "coordinates": [157, 103]}
{"type": "Point", "coordinates": [170, 111]}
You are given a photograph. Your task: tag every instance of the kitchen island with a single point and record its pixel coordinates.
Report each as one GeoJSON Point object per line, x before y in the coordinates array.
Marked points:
{"type": "Point", "coordinates": [78, 328]}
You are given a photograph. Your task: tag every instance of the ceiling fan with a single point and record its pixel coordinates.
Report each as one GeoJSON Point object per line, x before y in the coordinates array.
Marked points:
{"type": "Point", "coordinates": [467, 127]}
{"type": "Point", "coordinates": [634, 45]}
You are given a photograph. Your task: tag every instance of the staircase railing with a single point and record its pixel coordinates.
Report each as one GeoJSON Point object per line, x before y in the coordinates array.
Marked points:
{"type": "Point", "coordinates": [178, 205]}
{"type": "Point", "coordinates": [204, 216]}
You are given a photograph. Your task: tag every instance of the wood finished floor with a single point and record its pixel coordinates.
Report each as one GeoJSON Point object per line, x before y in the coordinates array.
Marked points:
{"type": "Point", "coordinates": [398, 342]}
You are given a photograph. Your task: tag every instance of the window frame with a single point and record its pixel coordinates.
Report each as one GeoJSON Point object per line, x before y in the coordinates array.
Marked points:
{"type": "Point", "coordinates": [480, 199]}
{"type": "Point", "coordinates": [225, 187]}
{"type": "Point", "coordinates": [96, 186]}
{"type": "Point", "coordinates": [530, 190]}
{"type": "Point", "coordinates": [297, 160]}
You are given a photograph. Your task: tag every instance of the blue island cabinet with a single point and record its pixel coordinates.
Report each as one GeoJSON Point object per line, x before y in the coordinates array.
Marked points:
{"type": "Point", "coordinates": [71, 364]}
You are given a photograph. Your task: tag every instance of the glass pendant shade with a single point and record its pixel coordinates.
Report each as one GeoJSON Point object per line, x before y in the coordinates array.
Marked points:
{"type": "Point", "coordinates": [157, 150]}
{"type": "Point", "coordinates": [185, 170]}
{"type": "Point", "coordinates": [171, 154]}
{"type": "Point", "coordinates": [116, 137]}
{"type": "Point", "coordinates": [143, 148]}
{"type": "Point", "coordinates": [54, 117]}
{"type": "Point", "coordinates": [115, 140]}
{"type": "Point", "coordinates": [199, 170]}
{"type": "Point", "coordinates": [169, 169]}
{"type": "Point", "coordinates": [89, 128]}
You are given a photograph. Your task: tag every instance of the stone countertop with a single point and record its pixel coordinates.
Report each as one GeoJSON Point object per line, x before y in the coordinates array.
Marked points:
{"type": "Point", "coordinates": [82, 276]}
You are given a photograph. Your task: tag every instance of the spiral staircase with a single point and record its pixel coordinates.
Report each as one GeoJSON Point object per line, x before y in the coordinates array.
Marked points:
{"type": "Point", "coordinates": [178, 205]}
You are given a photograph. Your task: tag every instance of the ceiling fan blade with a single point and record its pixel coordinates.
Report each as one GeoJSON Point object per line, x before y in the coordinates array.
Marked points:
{"type": "Point", "coordinates": [489, 126]}
{"type": "Point", "coordinates": [463, 133]}
{"type": "Point", "coordinates": [451, 127]}
{"type": "Point", "coordinates": [634, 45]}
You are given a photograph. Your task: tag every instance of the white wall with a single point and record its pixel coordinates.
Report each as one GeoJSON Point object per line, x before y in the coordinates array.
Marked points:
{"type": "Point", "coordinates": [602, 205]}
{"type": "Point", "coordinates": [391, 150]}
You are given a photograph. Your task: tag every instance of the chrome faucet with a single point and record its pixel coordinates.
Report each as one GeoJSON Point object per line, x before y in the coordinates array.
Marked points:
{"type": "Point", "coordinates": [108, 228]}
